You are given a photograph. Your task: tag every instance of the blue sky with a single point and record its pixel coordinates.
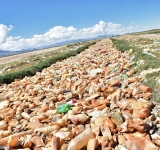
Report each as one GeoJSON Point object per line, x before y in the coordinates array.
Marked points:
{"type": "Point", "coordinates": [26, 24]}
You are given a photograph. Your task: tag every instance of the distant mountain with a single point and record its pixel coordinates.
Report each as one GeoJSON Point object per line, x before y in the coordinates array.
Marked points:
{"type": "Point", "coordinates": [105, 36]}
{"type": "Point", "coordinates": [79, 40]}
{"type": "Point", "coordinates": [9, 53]}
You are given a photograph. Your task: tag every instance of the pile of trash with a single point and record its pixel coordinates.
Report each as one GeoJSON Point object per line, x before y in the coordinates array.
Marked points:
{"type": "Point", "coordinates": [92, 101]}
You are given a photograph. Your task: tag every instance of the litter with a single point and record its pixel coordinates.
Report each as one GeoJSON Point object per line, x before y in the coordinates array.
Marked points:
{"type": "Point", "coordinates": [91, 101]}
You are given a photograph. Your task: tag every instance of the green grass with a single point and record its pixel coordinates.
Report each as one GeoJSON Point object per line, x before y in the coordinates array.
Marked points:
{"type": "Point", "coordinates": [152, 82]}
{"type": "Point", "coordinates": [121, 45]}
{"type": "Point", "coordinates": [149, 61]}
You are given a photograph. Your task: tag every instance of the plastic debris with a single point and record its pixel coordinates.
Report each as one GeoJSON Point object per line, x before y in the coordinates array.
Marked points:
{"type": "Point", "coordinates": [95, 71]}
{"type": "Point", "coordinates": [125, 76]}
{"type": "Point", "coordinates": [64, 108]}
{"type": "Point", "coordinates": [91, 101]}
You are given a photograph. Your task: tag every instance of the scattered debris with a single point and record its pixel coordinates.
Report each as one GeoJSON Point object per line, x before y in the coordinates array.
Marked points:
{"type": "Point", "coordinates": [80, 102]}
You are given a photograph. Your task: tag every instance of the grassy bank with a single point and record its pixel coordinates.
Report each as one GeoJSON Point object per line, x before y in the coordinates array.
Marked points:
{"type": "Point", "coordinates": [144, 62]}
{"type": "Point", "coordinates": [10, 77]}
{"type": "Point", "coordinates": [121, 45]}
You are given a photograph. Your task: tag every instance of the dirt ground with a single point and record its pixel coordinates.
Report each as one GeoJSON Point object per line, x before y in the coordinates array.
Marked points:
{"type": "Point", "coordinates": [12, 58]}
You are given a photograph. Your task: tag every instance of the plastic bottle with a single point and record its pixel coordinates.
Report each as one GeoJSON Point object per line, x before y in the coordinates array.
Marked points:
{"type": "Point", "coordinates": [125, 76]}
{"type": "Point", "coordinates": [64, 108]}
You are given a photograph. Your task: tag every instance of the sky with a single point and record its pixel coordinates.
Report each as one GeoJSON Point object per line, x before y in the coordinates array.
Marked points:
{"type": "Point", "coordinates": [28, 24]}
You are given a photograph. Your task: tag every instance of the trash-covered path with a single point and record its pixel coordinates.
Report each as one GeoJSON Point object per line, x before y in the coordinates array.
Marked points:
{"type": "Point", "coordinates": [92, 101]}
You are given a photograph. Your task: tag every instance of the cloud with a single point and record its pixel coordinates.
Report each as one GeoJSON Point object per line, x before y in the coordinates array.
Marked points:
{"type": "Point", "coordinates": [53, 35]}
{"type": "Point", "coordinates": [132, 27]}
{"type": "Point", "coordinates": [4, 32]}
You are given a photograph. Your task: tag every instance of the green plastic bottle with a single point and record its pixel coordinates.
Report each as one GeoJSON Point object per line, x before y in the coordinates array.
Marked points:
{"type": "Point", "coordinates": [64, 108]}
{"type": "Point", "coordinates": [125, 76]}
